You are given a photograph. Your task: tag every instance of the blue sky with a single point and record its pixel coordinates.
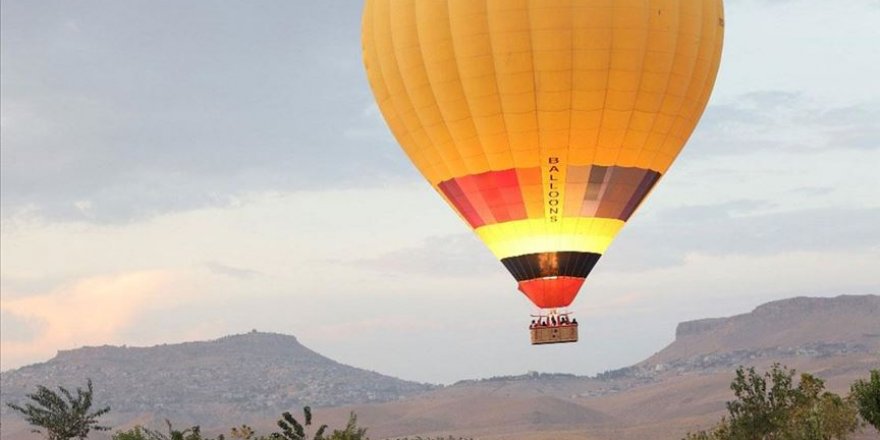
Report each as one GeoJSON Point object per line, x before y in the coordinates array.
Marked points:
{"type": "Point", "coordinates": [178, 171]}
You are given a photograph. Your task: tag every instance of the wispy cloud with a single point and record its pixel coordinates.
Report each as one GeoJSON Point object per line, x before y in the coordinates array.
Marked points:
{"type": "Point", "coordinates": [87, 311]}
{"type": "Point", "coordinates": [407, 324]}
{"type": "Point", "coordinates": [780, 121]}
{"type": "Point", "coordinates": [20, 329]}
{"type": "Point", "coordinates": [234, 272]}
{"type": "Point", "coordinates": [740, 228]}
{"type": "Point", "coordinates": [457, 255]}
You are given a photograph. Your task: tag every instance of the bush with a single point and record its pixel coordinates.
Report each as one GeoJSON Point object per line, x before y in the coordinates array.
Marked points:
{"type": "Point", "coordinates": [770, 406]}
{"type": "Point", "coordinates": [866, 395]}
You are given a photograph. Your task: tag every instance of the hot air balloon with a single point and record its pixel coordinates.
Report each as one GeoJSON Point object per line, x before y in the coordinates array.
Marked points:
{"type": "Point", "coordinates": [543, 123]}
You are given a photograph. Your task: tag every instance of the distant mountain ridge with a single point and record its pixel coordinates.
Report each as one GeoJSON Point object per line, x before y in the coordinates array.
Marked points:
{"type": "Point", "coordinates": [812, 327]}
{"type": "Point", "coordinates": [252, 377]}
{"type": "Point", "coordinates": [247, 373]}
{"type": "Point", "coordinates": [779, 313]}
{"type": "Point", "coordinates": [788, 328]}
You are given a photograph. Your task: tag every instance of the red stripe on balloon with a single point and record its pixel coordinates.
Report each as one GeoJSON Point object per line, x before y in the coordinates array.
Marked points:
{"type": "Point", "coordinates": [549, 293]}
{"type": "Point", "coordinates": [461, 203]}
{"type": "Point", "coordinates": [486, 198]}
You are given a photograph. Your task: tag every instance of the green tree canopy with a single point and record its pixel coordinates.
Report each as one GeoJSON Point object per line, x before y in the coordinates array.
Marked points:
{"type": "Point", "coordinates": [866, 394]}
{"type": "Point", "coordinates": [62, 415]}
{"type": "Point", "coordinates": [770, 406]}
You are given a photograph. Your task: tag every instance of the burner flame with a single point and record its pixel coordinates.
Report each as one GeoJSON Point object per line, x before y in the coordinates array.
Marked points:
{"type": "Point", "coordinates": [549, 264]}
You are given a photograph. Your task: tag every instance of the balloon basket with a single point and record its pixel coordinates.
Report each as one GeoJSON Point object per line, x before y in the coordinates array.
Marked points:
{"type": "Point", "coordinates": [554, 335]}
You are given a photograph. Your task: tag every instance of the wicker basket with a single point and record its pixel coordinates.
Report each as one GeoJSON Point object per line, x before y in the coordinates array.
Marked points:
{"type": "Point", "coordinates": [554, 334]}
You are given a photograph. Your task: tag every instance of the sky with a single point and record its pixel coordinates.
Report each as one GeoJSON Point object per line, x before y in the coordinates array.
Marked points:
{"type": "Point", "coordinates": [177, 171]}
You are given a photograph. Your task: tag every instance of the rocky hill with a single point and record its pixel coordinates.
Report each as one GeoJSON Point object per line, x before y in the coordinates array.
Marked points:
{"type": "Point", "coordinates": [791, 328]}
{"type": "Point", "coordinates": [251, 378]}
{"type": "Point", "coordinates": [252, 373]}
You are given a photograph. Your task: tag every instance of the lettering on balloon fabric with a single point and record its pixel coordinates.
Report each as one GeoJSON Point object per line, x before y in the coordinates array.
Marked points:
{"type": "Point", "coordinates": [553, 189]}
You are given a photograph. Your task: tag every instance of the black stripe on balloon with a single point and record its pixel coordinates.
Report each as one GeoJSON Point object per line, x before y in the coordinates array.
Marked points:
{"type": "Point", "coordinates": [551, 264]}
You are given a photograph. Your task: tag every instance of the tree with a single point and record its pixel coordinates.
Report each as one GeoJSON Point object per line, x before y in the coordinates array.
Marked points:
{"type": "Point", "coordinates": [866, 395]}
{"type": "Point", "coordinates": [820, 415]}
{"type": "Point", "coordinates": [758, 411]}
{"type": "Point", "coordinates": [62, 415]}
{"type": "Point", "coordinates": [721, 431]}
{"type": "Point", "coordinates": [770, 407]}
{"type": "Point", "coordinates": [435, 438]}
{"type": "Point", "coordinates": [136, 433]}
{"type": "Point", "coordinates": [141, 433]}
{"type": "Point", "coordinates": [291, 429]}
{"type": "Point", "coordinates": [351, 431]}
{"type": "Point", "coordinates": [191, 433]}
{"type": "Point", "coordinates": [243, 432]}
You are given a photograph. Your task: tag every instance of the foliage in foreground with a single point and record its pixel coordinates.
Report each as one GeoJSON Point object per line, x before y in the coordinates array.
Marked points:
{"type": "Point", "coordinates": [351, 431]}
{"type": "Point", "coordinates": [435, 438]}
{"type": "Point", "coordinates": [244, 432]}
{"type": "Point", "coordinates": [62, 415]}
{"type": "Point", "coordinates": [866, 395]}
{"type": "Point", "coordinates": [772, 407]}
{"type": "Point", "coordinates": [141, 433]}
{"type": "Point", "coordinates": [768, 406]}
{"type": "Point", "coordinates": [291, 429]}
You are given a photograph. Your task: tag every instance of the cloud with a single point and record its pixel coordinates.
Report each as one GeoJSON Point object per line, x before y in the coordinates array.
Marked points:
{"type": "Point", "coordinates": [405, 324]}
{"type": "Point", "coordinates": [234, 272]}
{"type": "Point", "coordinates": [87, 311]}
{"type": "Point", "coordinates": [455, 255]}
{"type": "Point", "coordinates": [739, 228]}
{"type": "Point", "coordinates": [18, 328]}
{"type": "Point", "coordinates": [786, 122]}
{"type": "Point", "coordinates": [96, 131]}
{"type": "Point", "coordinates": [812, 191]}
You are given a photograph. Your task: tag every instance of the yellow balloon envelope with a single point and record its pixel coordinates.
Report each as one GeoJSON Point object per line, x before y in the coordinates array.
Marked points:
{"type": "Point", "coordinates": [543, 123]}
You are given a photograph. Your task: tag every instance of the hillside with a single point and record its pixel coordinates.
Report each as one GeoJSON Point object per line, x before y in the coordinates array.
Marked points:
{"type": "Point", "coordinates": [680, 388]}
{"type": "Point", "coordinates": [241, 375]}
{"type": "Point", "coordinates": [792, 328]}
{"type": "Point", "coordinates": [251, 378]}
